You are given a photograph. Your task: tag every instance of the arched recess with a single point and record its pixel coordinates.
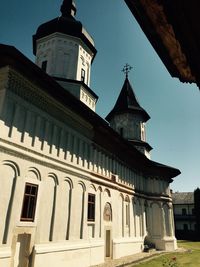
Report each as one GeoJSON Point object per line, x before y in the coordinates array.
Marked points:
{"type": "Point", "coordinates": [69, 181]}
{"type": "Point", "coordinates": [146, 212]}
{"type": "Point", "coordinates": [166, 218]}
{"type": "Point", "coordinates": [79, 216]}
{"type": "Point", "coordinates": [9, 172]}
{"type": "Point", "coordinates": [63, 224]}
{"type": "Point", "coordinates": [34, 173]}
{"type": "Point", "coordinates": [100, 213]}
{"type": "Point", "coordinates": [54, 177]}
{"type": "Point", "coordinates": [107, 213]}
{"type": "Point", "coordinates": [137, 206]}
{"type": "Point", "coordinates": [47, 207]}
{"type": "Point", "coordinates": [127, 214]}
{"type": "Point", "coordinates": [65, 205]}
{"type": "Point", "coordinates": [14, 166]}
{"type": "Point", "coordinates": [133, 214]}
{"type": "Point", "coordinates": [107, 192]}
{"type": "Point", "coordinates": [121, 214]}
{"type": "Point", "coordinates": [100, 189]}
{"type": "Point", "coordinates": [92, 187]}
{"type": "Point", "coordinates": [158, 223]}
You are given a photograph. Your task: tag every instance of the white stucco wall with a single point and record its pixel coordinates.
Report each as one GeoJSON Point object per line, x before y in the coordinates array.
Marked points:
{"type": "Point", "coordinates": [55, 152]}
{"type": "Point", "coordinates": [133, 128]}
{"type": "Point", "coordinates": [65, 55]}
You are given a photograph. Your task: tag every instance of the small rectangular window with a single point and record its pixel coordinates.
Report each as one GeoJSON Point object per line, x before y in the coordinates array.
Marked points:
{"type": "Point", "coordinates": [44, 65]}
{"type": "Point", "coordinates": [29, 202]}
{"type": "Point", "coordinates": [91, 207]}
{"type": "Point", "coordinates": [82, 75]}
{"type": "Point", "coordinates": [184, 212]}
{"type": "Point", "coordinates": [122, 132]}
{"type": "Point", "coordinates": [193, 211]}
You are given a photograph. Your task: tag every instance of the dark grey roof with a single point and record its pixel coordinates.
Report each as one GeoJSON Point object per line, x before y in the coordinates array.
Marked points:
{"type": "Point", "coordinates": [183, 198]}
{"type": "Point", "coordinates": [127, 102]}
{"type": "Point", "coordinates": [66, 24]}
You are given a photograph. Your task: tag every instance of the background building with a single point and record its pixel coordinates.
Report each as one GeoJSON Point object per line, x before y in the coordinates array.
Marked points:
{"type": "Point", "coordinates": [184, 215]}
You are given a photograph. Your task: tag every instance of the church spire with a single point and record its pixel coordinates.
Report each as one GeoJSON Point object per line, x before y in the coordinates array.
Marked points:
{"type": "Point", "coordinates": [68, 8]}
{"type": "Point", "coordinates": [128, 118]}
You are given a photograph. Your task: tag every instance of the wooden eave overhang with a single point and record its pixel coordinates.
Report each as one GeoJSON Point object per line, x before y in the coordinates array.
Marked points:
{"type": "Point", "coordinates": [172, 28]}
{"type": "Point", "coordinates": [104, 135]}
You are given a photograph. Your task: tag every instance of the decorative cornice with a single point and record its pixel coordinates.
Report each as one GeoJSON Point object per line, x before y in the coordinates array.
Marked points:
{"type": "Point", "coordinates": [25, 154]}
{"type": "Point", "coordinates": [41, 159]}
{"type": "Point", "coordinates": [34, 95]}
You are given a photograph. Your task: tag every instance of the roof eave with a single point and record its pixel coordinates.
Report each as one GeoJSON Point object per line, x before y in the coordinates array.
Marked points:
{"type": "Point", "coordinates": [160, 30]}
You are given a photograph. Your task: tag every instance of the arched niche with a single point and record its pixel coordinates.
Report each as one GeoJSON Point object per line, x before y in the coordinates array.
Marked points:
{"type": "Point", "coordinates": [107, 213]}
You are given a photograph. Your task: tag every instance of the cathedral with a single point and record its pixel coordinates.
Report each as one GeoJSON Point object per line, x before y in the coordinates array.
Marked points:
{"type": "Point", "coordinates": [75, 189]}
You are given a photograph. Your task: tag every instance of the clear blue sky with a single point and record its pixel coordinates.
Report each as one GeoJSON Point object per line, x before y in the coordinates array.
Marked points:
{"type": "Point", "coordinates": [174, 128]}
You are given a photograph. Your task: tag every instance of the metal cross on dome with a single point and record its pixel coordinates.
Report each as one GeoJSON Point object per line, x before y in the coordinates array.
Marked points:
{"type": "Point", "coordinates": [126, 69]}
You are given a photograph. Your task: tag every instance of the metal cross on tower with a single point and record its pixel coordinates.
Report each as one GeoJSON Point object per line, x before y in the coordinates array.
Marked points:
{"type": "Point", "coordinates": [126, 69]}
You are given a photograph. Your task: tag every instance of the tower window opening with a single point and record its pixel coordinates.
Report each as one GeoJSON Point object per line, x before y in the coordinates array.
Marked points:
{"type": "Point", "coordinates": [121, 132]}
{"type": "Point", "coordinates": [82, 75]}
{"type": "Point", "coordinates": [44, 65]}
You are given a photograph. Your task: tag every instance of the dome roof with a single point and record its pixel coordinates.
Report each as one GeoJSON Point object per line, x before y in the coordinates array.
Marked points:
{"type": "Point", "coordinates": [65, 24]}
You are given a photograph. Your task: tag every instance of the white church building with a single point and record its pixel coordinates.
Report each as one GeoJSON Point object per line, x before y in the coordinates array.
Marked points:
{"type": "Point", "coordinates": [75, 189]}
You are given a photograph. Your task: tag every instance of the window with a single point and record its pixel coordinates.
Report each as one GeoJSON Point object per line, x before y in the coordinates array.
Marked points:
{"type": "Point", "coordinates": [185, 227]}
{"type": "Point", "coordinates": [82, 75]}
{"type": "Point", "coordinates": [44, 65]}
{"type": "Point", "coordinates": [91, 207]}
{"type": "Point", "coordinates": [29, 202]}
{"type": "Point", "coordinates": [184, 212]}
{"type": "Point", "coordinates": [121, 132]}
{"type": "Point", "coordinates": [193, 211]}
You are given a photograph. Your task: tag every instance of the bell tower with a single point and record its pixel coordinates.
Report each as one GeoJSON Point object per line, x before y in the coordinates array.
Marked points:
{"type": "Point", "coordinates": [128, 118]}
{"type": "Point", "coordinates": [65, 51]}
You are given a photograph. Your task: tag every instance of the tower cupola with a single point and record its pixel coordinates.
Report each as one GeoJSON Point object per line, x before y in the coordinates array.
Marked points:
{"type": "Point", "coordinates": [128, 118]}
{"type": "Point", "coordinates": [65, 51]}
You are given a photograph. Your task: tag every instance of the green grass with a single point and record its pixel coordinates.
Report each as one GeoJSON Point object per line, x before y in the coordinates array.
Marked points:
{"type": "Point", "coordinates": [189, 258]}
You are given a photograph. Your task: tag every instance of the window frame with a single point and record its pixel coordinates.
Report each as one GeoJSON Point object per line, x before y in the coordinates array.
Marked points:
{"type": "Point", "coordinates": [44, 65]}
{"type": "Point", "coordinates": [91, 207]}
{"type": "Point", "coordinates": [82, 75]}
{"type": "Point", "coordinates": [29, 203]}
{"type": "Point", "coordinates": [184, 211]}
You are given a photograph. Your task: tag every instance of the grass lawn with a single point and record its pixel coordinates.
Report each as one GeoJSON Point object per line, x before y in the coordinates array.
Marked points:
{"type": "Point", "coordinates": [190, 258]}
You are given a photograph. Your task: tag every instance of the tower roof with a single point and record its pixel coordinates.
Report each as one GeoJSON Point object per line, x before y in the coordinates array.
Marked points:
{"type": "Point", "coordinates": [66, 24]}
{"type": "Point", "coordinates": [127, 103]}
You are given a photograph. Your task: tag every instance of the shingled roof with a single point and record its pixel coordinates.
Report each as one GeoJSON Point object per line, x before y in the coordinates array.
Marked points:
{"type": "Point", "coordinates": [127, 102]}
{"type": "Point", "coordinates": [183, 198]}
